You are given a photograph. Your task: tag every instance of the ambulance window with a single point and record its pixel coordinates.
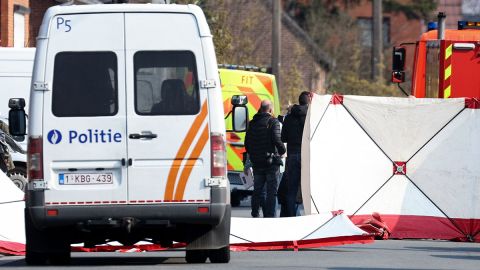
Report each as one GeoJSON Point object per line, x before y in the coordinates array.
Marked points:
{"type": "Point", "coordinates": [166, 83]}
{"type": "Point", "coordinates": [85, 84]}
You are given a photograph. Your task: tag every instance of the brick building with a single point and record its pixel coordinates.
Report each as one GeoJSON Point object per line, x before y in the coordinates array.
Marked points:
{"type": "Point", "coordinates": [303, 65]}
{"type": "Point", "coordinates": [397, 28]}
{"type": "Point", "coordinates": [20, 20]}
{"type": "Point", "coordinates": [14, 23]}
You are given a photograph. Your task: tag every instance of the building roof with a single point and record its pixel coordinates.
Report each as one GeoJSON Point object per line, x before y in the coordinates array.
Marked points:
{"type": "Point", "coordinates": [320, 56]}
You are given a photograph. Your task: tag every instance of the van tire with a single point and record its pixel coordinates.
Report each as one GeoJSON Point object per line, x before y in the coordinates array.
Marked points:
{"type": "Point", "coordinates": [235, 198]}
{"type": "Point", "coordinates": [45, 246]}
{"type": "Point", "coordinates": [196, 256]}
{"type": "Point", "coordinates": [18, 175]}
{"type": "Point", "coordinates": [34, 243]}
{"type": "Point", "coordinates": [221, 255]}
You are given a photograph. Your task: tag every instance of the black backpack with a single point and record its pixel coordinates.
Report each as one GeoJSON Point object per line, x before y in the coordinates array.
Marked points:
{"type": "Point", "coordinates": [261, 142]}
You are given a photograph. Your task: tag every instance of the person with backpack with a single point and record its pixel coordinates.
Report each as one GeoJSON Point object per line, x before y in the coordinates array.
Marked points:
{"type": "Point", "coordinates": [265, 148]}
{"type": "Point", "coordinates": [292, 133]}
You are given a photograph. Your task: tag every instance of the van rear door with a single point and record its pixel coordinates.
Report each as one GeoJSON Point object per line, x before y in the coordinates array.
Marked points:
{"type": "Point", "coordinates": [84, 113]}
{"type": "Point", "coordinates": [167, 114]}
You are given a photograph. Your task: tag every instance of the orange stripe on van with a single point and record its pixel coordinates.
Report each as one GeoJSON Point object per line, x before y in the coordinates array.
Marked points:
{"type": "Point", "coordinates": [187, 169]}
{"type": "Point", "coordinates": [267, 83]}
{"type": "Point", "coordinates": [182, 151]}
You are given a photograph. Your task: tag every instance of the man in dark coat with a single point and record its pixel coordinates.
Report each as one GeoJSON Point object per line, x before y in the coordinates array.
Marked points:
{"type": "Point", "coordinates": [292, 133]}
{"type": "Point", "coordinates": [261, 142]}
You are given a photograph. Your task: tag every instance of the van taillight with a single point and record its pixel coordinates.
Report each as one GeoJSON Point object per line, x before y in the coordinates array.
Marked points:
{"type": "Point", "coordinates": [219, 160]}
{"type": "Point", "coordinates": [35, 158]}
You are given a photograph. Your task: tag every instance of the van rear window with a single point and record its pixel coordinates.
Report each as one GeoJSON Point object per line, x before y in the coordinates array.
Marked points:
{"type": "Point", "coordinates": [166, 83]}
{"type": "Point", "coordinates": [85, 84]}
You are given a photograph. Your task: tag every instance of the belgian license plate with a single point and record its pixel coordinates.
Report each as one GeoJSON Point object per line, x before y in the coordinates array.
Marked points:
{"type": "Point", "coordinates": [85, 178]}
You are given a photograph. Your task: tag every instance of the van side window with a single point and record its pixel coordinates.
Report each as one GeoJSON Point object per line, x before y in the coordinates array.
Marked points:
{"type": "Point", "coordinates": [166, 83]}
{"type": "Point", "coordinates": [85, 84]}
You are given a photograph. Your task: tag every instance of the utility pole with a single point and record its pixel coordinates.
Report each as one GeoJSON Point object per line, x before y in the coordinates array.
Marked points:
{"type": "Point", "coordinates": [276, 40]}
{"type": "Point", "coordinates": [377, 40]}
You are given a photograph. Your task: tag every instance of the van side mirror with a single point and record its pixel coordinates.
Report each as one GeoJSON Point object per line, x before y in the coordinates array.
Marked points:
{"type": "Point", "coordinates": [239, 113]}
{"type": "Point", "coordinates": [398, 64]}
{"type": "Point", "coordinates": [240, 118]}
{"type": "Point", "coordinates": [17, 121]}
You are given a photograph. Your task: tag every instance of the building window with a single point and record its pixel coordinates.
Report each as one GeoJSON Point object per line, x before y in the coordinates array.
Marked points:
{"type": "Point", "coordinates": [19, 13]}
{"type": "Point", "coordinates": [366, 28]}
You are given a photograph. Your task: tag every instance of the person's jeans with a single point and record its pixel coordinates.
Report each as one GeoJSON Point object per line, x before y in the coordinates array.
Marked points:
{"type": "Point", "coordinates": [294, 166]}
{"type": "Point", "coordinates": [265, 177]}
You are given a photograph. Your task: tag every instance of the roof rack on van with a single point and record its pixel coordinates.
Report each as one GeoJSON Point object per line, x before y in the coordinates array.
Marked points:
{"type": "Point", "coordinates": [246, 68]}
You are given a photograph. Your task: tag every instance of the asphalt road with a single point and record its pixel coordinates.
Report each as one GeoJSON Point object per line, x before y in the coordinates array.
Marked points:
{"type": "Point", "coordinates": [391, 254]}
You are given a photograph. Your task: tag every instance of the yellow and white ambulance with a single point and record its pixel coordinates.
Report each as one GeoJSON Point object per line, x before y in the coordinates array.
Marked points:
{"type": "Point", "coordinates": [257, 85]}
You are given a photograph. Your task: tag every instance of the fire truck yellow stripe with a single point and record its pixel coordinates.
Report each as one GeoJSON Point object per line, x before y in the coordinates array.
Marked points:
{"type": "Point", "coordinates": [448, 72]}
{"type": "Point", "coordinates": [447, 92]}
{"type": "Point", "coordinates": [188, 167]}
{"type": "Point", "coordinates": [448, 51]}
{"type": "Point", "coordinates": [182, 151]}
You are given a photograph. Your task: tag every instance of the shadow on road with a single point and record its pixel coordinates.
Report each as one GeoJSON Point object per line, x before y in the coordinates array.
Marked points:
{"type": "Point", "coordinates": [458, 257]}
{"type": "Point", "coordinates": [370, 268]}
{"type": "Point", "coordinates": [111, 261]}
{"type": "Point", "coordinates": [446, 249]}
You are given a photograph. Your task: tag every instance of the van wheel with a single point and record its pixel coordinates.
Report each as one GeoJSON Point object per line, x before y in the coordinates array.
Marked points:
{"type": "Point", "coordinates": [235, 198]}
{"type": "Point", "coordinates": [61, 258]}
{"type": "Point", "coordinates": [43, 246]}
{"type": "Point", "coordinates": [19, 177]}
{"type": "Point", "coordinates": [196, 256]}
{"type": "Point", "coordinates": [59, 248]}
{"type": "Point", "coordinates": [35, 243]}
{"type": "Point", "coordinates": [221, 255]}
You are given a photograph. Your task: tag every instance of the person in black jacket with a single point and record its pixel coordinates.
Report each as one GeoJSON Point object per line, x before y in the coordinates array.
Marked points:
{"type": "Point", "coordinates": [292, 134]}
{"type": "Point", "coordinates": [263, 139]}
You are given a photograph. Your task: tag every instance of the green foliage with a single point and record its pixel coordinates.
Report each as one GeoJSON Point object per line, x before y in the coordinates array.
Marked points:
{"type": "Point", "coordinates": [227, 48]}
{"type": "Point", "coordinates": [292, 78]}
{"type": "Point", "coordinates": [419, 9]}
{"type": "Point", "coordinates": [351, 84]}
{"type": "Point", "coordinates": [336, 33]}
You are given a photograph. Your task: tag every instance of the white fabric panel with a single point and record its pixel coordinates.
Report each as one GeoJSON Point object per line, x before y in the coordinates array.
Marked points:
{"type": "Point", "coordinates": [399, 197]}
{"type": "Point", "coordinates": [346, 166]}
{"type": "Point", "coordinates": [402, 125]}
{"type": "Point", "coordinates": [11, 210]}
{"type": "Point", "coordinates": [320, 103]}
{"type": "Point", "coordinates": [291, 228]}
{"type": "Point", "coordinates": [12, 226]}
{"type": "Point", "coordinates": [8, 191]}
{"type": "Point", "coordinates": [448, 170]}
{"type": "Point", "coordinates": [340, 225]}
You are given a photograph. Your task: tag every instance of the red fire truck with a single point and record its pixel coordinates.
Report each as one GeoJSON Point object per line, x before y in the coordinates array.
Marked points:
{"type": "Point", "coordinates": [446, 62]}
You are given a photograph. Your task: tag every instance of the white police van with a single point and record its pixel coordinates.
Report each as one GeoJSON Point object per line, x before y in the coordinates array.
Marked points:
{"type": "Point", "coordinates": [126, 132]}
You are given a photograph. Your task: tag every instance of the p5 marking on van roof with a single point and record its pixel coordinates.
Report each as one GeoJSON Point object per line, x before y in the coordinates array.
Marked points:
{"type": "Point", "coordinates": [126, 132]}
